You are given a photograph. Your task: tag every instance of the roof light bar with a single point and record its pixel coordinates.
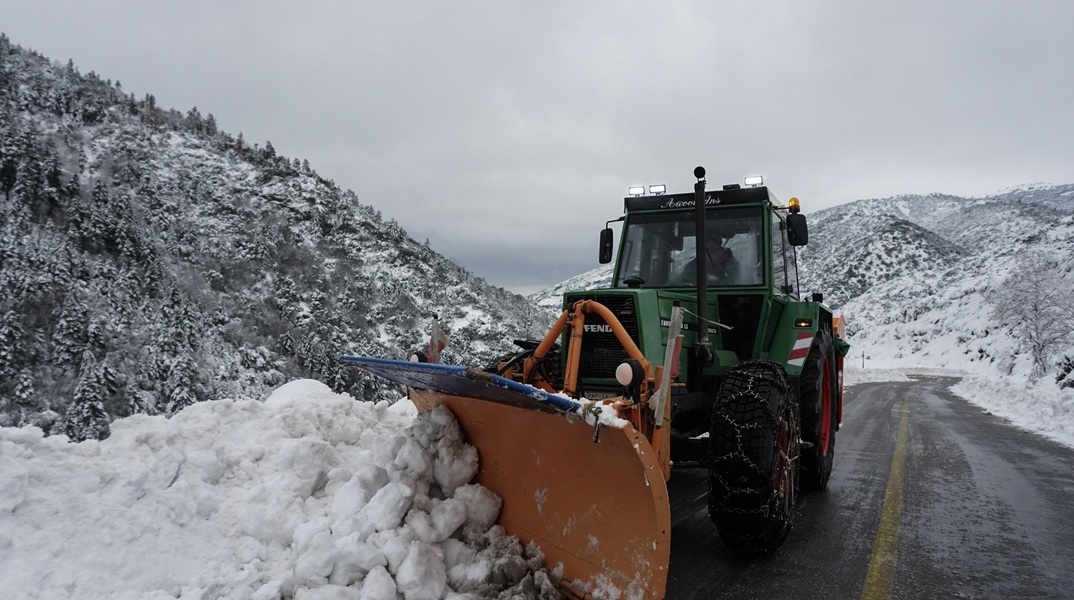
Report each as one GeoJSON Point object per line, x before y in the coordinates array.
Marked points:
{"type": "Point", "coordinates": [637, 190]}
{"type": "Point", "coordinates": [657, 189]}
{"type": "Point", "coordinates": [753, 181]}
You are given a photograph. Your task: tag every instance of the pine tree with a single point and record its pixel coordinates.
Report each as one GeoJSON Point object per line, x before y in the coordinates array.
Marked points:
{"type": "Point", "coordinates": [140, 403]}
{"type": "Point", "coordinates": [149, 380]}
{"type": "Point", "coordinates": [54, 186]}
{"type": "Point", "coordinates": [182, 330]}
{"type": "Point", "coordinates": [71, 336]}
{"type": "Point", "coordinates": [92, 221]}
{"type": "Point", "coordinates": [193, 122]}
{"type": "Point", "coordinates": [9, 170]}
{"type": "Point", "coordinates": [30, 185]}
{"type": "Point", "coordinates": [96, 340]}
{"type": "Point", "coordinates": [85, 417]}
{"type": "Point", "coordinates": [12, 338]}
{"type": "Point", "coordinates": [180, 390]}
{"type": "Point", "coordinates": [24, 394]}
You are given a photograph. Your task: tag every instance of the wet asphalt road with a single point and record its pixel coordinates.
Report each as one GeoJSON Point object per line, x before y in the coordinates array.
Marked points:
{"type": "Point", "coordinates": [986, 511]}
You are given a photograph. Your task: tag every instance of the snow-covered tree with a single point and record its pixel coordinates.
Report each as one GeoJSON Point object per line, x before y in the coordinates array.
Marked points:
{"type": "Point", "coordinates": [180, 389]}
{"type": "Point", "coordinates": [12, 337]}
{"type": "Point", "coordinates": [86, 417]}
{"type": "Point", "coordinates": [1065, 370]}
{"type": "Point", "coordinates": [71, 335]}
{"type": "Point", "coordinates": [1035, 304]}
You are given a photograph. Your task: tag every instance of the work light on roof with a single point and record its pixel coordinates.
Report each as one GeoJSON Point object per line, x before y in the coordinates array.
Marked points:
{"type": "Point", "coordinates": [637, 190]}
{"type": "Point", "coordinates": [657, 189]}
{"type": "Point", "coordinates": [753, 181]}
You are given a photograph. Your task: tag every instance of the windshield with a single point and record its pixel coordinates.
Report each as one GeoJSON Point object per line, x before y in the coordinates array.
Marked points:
{"type": "Point", "coordinates": [659, 249]}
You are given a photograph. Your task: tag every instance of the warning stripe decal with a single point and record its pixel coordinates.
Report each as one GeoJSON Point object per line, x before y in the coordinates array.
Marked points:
{"type": "Point", "coordinates": [800, 349]}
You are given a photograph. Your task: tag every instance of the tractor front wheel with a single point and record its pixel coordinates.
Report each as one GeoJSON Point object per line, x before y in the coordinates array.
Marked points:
{"type": "Point", "coordinates": [753, 457]}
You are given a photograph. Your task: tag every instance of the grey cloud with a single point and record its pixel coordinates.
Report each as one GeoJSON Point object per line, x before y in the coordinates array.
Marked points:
{"type": "Point", "coordinates": [502, 130]}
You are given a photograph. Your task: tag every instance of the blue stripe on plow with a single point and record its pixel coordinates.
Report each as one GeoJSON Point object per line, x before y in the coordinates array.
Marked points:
{"type": "Point", "coordinates": [462, 381]}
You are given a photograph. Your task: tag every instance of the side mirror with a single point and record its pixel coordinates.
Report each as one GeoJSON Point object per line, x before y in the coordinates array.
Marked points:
{"type": "Point", "coordinates": [606, 249]}
{"type": "Point", "coordinates": [797, 231]}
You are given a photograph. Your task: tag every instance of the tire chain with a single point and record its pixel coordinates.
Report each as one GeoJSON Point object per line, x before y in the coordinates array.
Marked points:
{"type": "Point", "coordinates": [747, 488]}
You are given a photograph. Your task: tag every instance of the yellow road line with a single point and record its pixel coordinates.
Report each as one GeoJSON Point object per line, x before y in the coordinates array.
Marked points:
{"type": "Point", "coordinates": [880, 579]}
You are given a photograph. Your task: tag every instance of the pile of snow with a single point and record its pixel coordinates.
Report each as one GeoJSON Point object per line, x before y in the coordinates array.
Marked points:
{"type": "Point", "coordinates": [308, 495]}
{"type": "Point", "coordinates": [1037, 406]}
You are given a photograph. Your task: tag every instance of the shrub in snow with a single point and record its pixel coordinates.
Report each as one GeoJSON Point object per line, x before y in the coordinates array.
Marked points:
{"type": "Point", "coordinates": [1065, 374]}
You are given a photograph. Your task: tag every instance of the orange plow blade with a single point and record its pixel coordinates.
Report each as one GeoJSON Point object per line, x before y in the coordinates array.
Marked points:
{"type": "Point", "coordinates": [598, 508]}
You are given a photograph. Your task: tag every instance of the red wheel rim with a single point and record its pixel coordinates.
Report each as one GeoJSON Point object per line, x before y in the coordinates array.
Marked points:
{"type": "Point", "coordinates": [825, 406]}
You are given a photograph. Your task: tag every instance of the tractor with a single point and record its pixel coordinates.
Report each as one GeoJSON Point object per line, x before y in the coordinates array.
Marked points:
{"type": "Point", "coordinates": [700, 354]}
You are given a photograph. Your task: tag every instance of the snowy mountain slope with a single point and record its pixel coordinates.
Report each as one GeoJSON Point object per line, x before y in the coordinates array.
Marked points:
{"type": "Point", "coordinates": [149, 260]}
{"type": "Point", "coordinates": [856, 259]}
{"type": "Point", "coordinates": [552, 298]}
{"type": "Point", "coordinates": [928, 297]}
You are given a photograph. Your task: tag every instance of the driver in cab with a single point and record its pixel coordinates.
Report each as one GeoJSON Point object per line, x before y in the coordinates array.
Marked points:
{"type": "Point", "coordinates": [721, 265]}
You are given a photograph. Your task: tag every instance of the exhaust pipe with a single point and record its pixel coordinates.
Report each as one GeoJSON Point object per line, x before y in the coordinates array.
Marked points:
{"type": "Point", "coordinates": [704, 347]}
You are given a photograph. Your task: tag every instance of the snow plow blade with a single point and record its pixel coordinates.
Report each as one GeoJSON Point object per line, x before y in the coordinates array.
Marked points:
{"type": "Point", "coordinates": [593, 499]}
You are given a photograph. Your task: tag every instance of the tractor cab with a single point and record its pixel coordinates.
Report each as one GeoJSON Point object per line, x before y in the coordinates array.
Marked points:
{"type": "Point", "coordinates": [744, 305]}
{"type": "Point", "coordinates": [660, 248]}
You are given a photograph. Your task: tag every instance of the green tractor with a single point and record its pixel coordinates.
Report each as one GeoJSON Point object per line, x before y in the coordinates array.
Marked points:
{"type": "Point", "coordinates": [758, 399]}
{"type": "Point", "coordinates": [701, 354]}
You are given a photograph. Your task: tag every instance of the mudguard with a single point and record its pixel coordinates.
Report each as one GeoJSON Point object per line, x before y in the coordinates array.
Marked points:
{"type": "Point", "coordinates": [598, 507]}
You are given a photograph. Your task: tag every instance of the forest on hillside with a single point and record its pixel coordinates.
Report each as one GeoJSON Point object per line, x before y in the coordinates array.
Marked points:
{"type": "Point", "coordinates": [150, 260]}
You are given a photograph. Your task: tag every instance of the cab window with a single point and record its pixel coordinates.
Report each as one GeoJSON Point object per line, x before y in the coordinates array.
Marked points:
{"type": "Point", "coordinates": [659, 249]}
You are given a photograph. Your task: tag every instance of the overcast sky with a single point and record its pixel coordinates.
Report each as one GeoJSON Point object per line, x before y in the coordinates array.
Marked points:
{"type": "Point", "coordinates": [506, 133]}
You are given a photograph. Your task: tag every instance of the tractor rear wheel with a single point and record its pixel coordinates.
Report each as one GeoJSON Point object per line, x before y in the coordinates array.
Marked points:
{"type": "Point", "coordinates": [817, 395]}
{"type": "Point", "coordinates": [753, 457]}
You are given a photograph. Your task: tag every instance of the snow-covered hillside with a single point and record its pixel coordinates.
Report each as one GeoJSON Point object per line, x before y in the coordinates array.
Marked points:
{"type": "Point", "coordinates": [150, 260]}
{"type": "Point", "coordinates": [552, 298]}
{"type": "Point", "coordinates": [920, 277]}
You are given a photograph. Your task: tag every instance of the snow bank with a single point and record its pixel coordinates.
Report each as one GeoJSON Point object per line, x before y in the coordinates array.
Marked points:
{"type": "Point", "coordinates": [1041, 407]}
{"type": "Point", "coordinates": [853, 375]}
{"type": "Point", "coordinates": [308, 495]}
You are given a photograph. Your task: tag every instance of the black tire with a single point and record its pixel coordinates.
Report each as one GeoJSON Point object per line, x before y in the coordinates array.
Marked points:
{"type": "Point", "coordinates": [818, 398]}
{"type": "Point", "coordinates": [753, 453]}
